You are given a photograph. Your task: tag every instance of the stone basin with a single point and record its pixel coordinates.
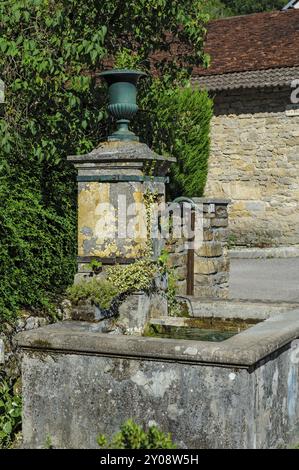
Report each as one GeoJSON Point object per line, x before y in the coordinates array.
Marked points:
{"type": "Point", "coordinates": [239, 393]}
{"type": "Point", "coordinates": [200, 329]}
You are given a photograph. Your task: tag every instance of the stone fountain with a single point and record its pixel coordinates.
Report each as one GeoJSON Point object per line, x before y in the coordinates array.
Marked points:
{"type": "Point", "coordinates": [79, 382]}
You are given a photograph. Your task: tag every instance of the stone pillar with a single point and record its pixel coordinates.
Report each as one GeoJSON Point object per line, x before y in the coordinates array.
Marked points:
{"type": "Point", "coordinates": [113, 180]}
{"type": "Point", "coordinates": [211, 260]}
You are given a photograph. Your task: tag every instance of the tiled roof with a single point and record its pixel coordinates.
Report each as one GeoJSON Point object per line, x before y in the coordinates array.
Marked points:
{"type": "Point", "coordinates": [252, 79]}
{"type": "Point", "coordinates": [254, 42]}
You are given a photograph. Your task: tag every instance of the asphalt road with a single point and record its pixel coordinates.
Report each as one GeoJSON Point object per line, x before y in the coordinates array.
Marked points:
{"type": "Point", "coordinates": [265, 279]}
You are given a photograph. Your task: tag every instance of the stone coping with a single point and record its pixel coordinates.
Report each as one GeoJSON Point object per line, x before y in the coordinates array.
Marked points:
{"type": "Point", "coordinates": [244, 350]}
{"type": "Point", "coordinates": [234, 308]}
{"type": "Point", "coordinates": [291, 251]}
{"type": "Point", "coordinates": [210, 200]}
{"type": "Point", "coordinates": [120, 151]}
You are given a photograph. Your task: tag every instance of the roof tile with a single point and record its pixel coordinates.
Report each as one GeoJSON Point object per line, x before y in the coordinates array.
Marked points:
{"type": "Point", "coordinates": [252, 42]}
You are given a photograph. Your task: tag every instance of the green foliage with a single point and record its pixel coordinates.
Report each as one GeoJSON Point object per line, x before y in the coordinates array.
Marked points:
{"type": "Point", "coordinates": [36, 250]}
{"type": "Point", "coordinates": [133, 277]}
{"type": "Point", "coordinates": [95, 265]}
{"type": "Point", "coordinates": [244, 7]}
{"type": "Point", "coordinates": [120, 280]}
{"type": "Point", "coordinates": [216, 9]}
{"type": "Point", "coordinates": [182, 130]}
{"type": "Point", "coordinates": [126, 59]}
{"type": "Point", "coordinates": [54, 107]}
{"type": "Point", "coordinates": [99, 291]}
{"type": "Point", "coordinates": [232, 240]}
{"type": "Point", "coordinates": [48, 443]}
{"type": "Point", "coordinates": [174, 307]}
{"type": "Point", "coordinates": [10, 413]}
{"type": "Point", "coordinates": [163, 260]}
{"type": "Point", "coordinates": [133, 436]}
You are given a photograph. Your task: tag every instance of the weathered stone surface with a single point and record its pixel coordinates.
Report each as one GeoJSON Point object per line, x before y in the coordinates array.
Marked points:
{"type": "Point", "coordinates": [133, 312]}
{"type": "Point", "coordinates": [137, 309]}
{"type": "Point", "coordinates": [254, 162]}
{"type": "Point", "coordinates": [181, 287]}
{"type": "Point", "coordinates": [112, 215]}
{"type": "Point", "coordinates": [177, 259]}
{"type": "Point", "coordinates": [86, 311]}
{"type": "Point", "coordinates": [204, 266]}
{"type": "Point", "coordinates": [181, 273]}
{"type": "Point", "coordinates": [221, 234]}
{"type": "Point", "coordinates": [212, 280]}
{"type": "Point", "coordinates": [210, 265]}
{"type": "Point", "coordinates": [240, 393]}
{"type": "Point", "coordinates": [219, 222]}
{"type": "Point", "coordinates": [210, 250]}
{"type": "Point", "coordinates": [211, 261]}
{"type": "Point", "coordinates": [10, 356]}
{"type": "Point", "coordinates": [211, 292]}
{"type": "Point", "coordinates": [265, 253]}
{"type": "Point", "coordinates": [258, 310]}
{"type": "Point", "coordinates": [208, 235]}
{"type": "Point", "coordinates": [221, 211]}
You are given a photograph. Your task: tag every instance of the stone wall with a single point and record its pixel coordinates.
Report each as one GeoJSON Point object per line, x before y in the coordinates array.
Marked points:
{"type": "Point", "coordinates": [211, 261]}
{"type": "Point", "coordinates": [255, 162]}
{"type": "Point", "coordinates": [10, 355]}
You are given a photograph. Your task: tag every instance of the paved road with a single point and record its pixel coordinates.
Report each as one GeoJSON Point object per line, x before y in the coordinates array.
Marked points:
{"type": "Point", "coordinates": [265, 279]}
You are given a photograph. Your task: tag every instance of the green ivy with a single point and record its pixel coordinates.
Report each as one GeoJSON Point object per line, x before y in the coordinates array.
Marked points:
{"type": "Point", "coordinates": [10, 413]}
{"type": "Point", "coordinates": [37, 248]}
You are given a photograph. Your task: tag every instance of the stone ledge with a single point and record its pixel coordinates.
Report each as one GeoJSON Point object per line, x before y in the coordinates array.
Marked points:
{"type": "Point", "coordinates": [243, 350]}
{"type": "Point", "coordinates": [210, 200]}
{"type": "Point", "coordinates": [265, 253]}
{"type": "Point", "coordinates": [120, 151]}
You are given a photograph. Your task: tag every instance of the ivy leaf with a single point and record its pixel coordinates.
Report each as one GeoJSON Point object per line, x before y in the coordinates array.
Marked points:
{"type": "Point", "coordinates": [7, 427]}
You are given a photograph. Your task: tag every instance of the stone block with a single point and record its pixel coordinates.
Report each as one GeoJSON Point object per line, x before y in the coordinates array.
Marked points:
{"type": "Point", "coordinates": [177, 259]}
{"type": "Point", "coordinates": [208, 235]}
{"type": "Point", "coordinates": [181, 273]}
{"type": "Point", "coordinates": [132, 313]}
{"type": "Point", "coordinates": [209, 215]}
{"type": "Point", "coordinates": [221, 234]}
{"type": "Point", "coordinates": [211, 279]}
{"type": "Point", "coordinates": [204, 266]}
{"type": "Point", "coordinates": [210, 265]}
{"type": "Point", "coordinates": [210, 292]}
{"type": "Point", "coordinates": [255, 206]}
{"type": "Point", "coordinates": [221, 211]}
{"type": "Point", "coordinates": [181, 287]}
{"type": "Point", "coordinates": [203, 279]}
{"type": "Point", "coordinates": [206, 223]}
{"type": "Point", "coordinates": [219, 222]}
{"type": "Point", "coordinates": [221, 277]}
{"type": "Point", "coordinates": [31, 323]}
{"type": "Point", "coordinates": [213, 249]}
